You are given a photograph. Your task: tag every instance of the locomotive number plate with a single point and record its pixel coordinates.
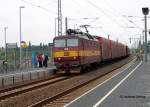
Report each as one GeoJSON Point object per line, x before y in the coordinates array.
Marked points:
{"type": "Point", "coordinates": [66, 53]}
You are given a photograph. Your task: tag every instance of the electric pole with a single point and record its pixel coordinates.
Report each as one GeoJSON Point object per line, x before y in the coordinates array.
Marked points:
{"type": "Point", "coordinates": [108, 36]}
{"type": "Point", "coordinates": [59, 19]}
{"type": "Point", "coordinates": [66, 24]}
{"type": "Point", "coordinates": [5, 28]}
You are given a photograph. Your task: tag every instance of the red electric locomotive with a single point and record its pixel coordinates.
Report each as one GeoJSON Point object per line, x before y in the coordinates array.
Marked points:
{"type": "Point", "coordinates": [77, 49]}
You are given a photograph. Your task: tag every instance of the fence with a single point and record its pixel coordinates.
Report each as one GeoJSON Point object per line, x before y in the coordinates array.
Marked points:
{"type": "Point", "coordinates": [13, 57]}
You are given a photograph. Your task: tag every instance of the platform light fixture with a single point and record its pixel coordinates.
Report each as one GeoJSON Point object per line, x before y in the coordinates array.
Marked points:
{"type": "Point", "coordinates": [20, 36]}
{"type": "Point", "coordinates": [145, 11]}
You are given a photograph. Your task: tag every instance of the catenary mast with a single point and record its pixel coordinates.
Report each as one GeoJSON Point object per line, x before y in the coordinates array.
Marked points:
{"type": "Point", "coordinates": [59, 19]}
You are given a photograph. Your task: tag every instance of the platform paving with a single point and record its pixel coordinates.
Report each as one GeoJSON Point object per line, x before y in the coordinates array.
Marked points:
{"type": "Point", "coordinates": [21, 76]}
{"type": "Point", "coordinates": [131, 88]}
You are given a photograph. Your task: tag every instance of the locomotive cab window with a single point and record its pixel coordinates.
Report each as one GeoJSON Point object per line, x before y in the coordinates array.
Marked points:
{"type": "Point", "coordinates": [59, 43]}
{"type": "Point", "coordinates": [72, 42]}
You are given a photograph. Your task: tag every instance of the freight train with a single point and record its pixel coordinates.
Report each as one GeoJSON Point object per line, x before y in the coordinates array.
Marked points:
{"type": "Point", "coordinates": [78, 49]}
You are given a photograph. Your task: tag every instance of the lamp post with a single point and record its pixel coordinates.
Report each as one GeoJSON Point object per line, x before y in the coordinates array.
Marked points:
{"type": "Point", "coordinates": [5, 28]}
{"type": "Point", "coordinates": [145, 11]}
{"type": "Point", "coordinates": [20, 36]}
{"type": "Point", "coordinates": [56, 25]}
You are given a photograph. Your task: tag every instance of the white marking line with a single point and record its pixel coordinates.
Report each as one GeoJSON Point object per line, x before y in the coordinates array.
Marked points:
{"type": "Point", "coordinates": [97, 86]}
{"type": "Point", "coordinates": [113, 89]}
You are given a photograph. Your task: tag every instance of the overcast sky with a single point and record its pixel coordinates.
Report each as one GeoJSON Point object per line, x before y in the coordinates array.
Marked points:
{"type": "Point", "coordinates": [105, 16]}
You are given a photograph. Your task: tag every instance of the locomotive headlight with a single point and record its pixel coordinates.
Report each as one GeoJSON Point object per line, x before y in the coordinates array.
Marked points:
{"type": "Point", "coordinates": [59, 58]}
{"type": "Point", "coordinates": [74, 57]}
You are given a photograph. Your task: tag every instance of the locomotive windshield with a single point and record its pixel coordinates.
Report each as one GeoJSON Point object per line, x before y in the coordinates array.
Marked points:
{"type": "Point", "coordinates": [66, 42]}
{"type": "Point", "coordinates": [72, 42]}
{"type": "Point", "coordinates": [60, 43]}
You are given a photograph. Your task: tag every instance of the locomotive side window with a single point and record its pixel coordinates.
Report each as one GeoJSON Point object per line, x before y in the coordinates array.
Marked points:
{"type": "Point", "coordinates": [59, 43]}
{"type": "Point", "coordinates": [72, 42]}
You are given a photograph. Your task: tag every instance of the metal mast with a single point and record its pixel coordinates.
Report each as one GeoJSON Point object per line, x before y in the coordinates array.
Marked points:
{"type": "Point", "coordinates": [145, 11]}
{"type": "Point", "coordinates": [66, 24]}
{"type": "Point", "coordinates": [59, 19]}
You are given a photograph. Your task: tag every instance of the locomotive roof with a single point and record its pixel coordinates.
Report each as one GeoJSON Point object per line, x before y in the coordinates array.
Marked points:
{"type": "Point", "coordinates": [76, 33]}
{"type": "Point", "coordinates": [76, 36]}
{"type": "Point", "coordinates": [95, 38]}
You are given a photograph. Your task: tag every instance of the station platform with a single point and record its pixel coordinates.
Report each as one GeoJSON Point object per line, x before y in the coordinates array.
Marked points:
{"type": "Point", "coordinates": [26, 70]}
{"type": "Point", "coordinates": [129, 88]}
{"type": "Point", "coordinates": [22, 76]}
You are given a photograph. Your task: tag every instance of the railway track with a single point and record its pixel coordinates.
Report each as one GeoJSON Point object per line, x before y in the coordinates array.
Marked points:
{"type": "Point", "coordinates": [20, 85]}
{"type": "Point", "coordinates": [45, 92]}
{"type": "Point", "coordinates": [48, 102]}
{"type": "Point", "coordinates": [14, 91]}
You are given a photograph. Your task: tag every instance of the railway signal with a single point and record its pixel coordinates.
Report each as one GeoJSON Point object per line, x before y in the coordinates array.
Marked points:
{"type": "Point", "coordinates": [145, 11]}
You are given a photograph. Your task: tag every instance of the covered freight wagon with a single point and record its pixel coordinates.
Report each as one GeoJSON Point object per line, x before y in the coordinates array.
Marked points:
{"type": "Point", "coordinates": [105, 46]}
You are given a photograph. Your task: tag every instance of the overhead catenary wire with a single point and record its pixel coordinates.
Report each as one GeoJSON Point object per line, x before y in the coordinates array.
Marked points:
{"type": "Point", "coordinates": [118, 11]}
{"type": "Point", "coordinates": [114, 20]}
{"type": "Point", "coordinates": [94, 20]}
{"type": "Point", "coordinates": [100, 9]}
{"type": "Point", "coordinates": [77, 4]}
{"type": "Point", "coordinates": [132, 23]}
{"type": "Point", "coordinates": [41, 7]}
{"type": "Point", "coordinates": [91, 20]}
{"type": "Point", "coordinates": [50, 3]}
{"type": "Point", "coordinates": [81, 7]}
{"type": "Point", "coordinates": [47, 10]}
